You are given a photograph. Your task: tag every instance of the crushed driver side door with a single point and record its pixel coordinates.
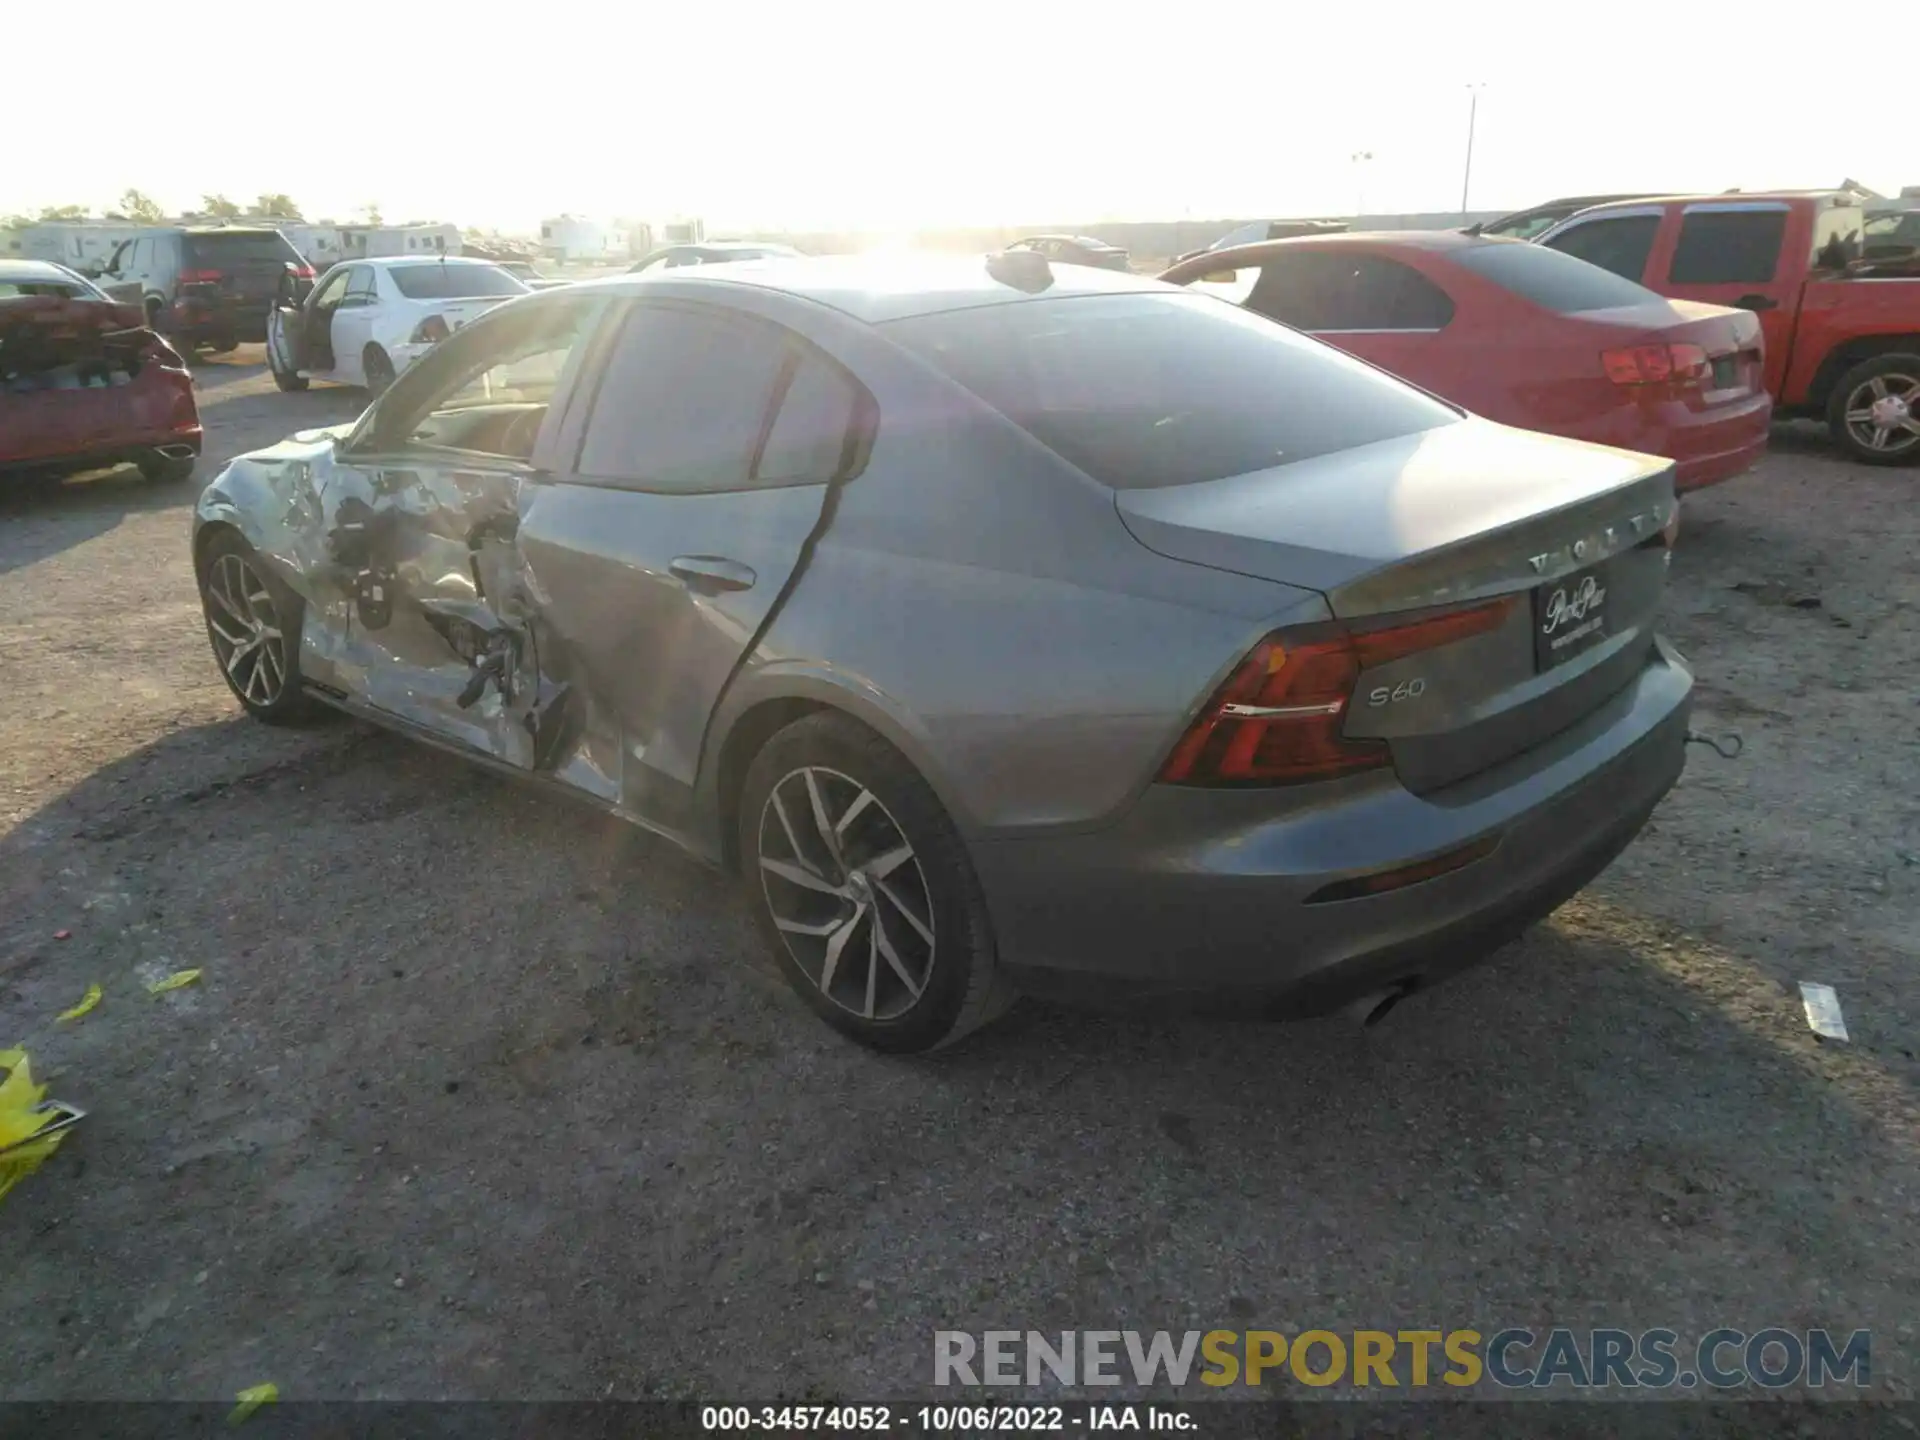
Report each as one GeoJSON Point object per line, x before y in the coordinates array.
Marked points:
{"type": "Point", "coordinates": [418, 608]}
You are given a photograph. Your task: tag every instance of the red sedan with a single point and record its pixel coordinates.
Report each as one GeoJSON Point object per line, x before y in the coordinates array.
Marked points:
{"type": "Point", "coordinates": [1521, 334]}
{"type": "Point", "coordinates": [85, 383]}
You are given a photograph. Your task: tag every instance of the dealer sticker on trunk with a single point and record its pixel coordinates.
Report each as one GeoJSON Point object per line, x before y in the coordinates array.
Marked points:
{"type": "Point", "coordinates": [1569, 617]}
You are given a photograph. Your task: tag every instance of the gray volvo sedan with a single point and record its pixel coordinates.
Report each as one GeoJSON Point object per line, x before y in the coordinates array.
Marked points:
{"type": "Point", "coordinates": [1005, 627]}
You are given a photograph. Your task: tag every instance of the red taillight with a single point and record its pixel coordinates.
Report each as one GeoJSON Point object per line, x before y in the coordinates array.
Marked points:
{"type": "Point", "coordinates": [1278, 718]}
{"type": "Point", "coordinates": [202, 277]}
{"type": "Point", "coordinates": [1656, 364]}
{"type": "Point", "coordinates": [303, 272]}
{"type": "Point", "coordinates": [430, 331]}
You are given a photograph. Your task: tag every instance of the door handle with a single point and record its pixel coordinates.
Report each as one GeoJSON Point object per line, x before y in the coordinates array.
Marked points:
{"type": "Point", "coordinates": [712, 574]}
{"type": "Point", "coordinates": [1755, 303]}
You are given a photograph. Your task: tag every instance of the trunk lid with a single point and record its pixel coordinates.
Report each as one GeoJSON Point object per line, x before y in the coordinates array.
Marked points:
{"type": "Point", "coordinates": [1567, 536]}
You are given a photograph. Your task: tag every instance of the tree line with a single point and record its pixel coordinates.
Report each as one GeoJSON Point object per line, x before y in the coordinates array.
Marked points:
{"type": "Point", "coordinates": [137, 205]}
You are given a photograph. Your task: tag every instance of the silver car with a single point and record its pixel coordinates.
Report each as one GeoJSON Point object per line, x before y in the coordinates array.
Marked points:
{"type": "Point", "coordinates": [1006, 628]}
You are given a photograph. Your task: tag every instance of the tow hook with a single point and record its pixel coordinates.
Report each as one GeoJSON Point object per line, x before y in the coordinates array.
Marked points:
{"type": "Point", "coordinates": [1727, 747]}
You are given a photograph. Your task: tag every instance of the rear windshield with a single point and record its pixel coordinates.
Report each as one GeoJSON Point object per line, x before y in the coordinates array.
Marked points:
{"type": "Point", "coordinates": [1551, 278]}
{"type": "Point", "coordinates": [453, 282]}
{"type": "Point", "coordinates": [242, 247]}
{"type": "Point", "coordinates": [1149, 390]}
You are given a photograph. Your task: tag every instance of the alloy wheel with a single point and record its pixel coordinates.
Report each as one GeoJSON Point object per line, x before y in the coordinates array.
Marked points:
{"type": "Point", "coordinates": [245, 625]}
{"type": "Point", "coordinates": [1883, 414]}
{"type": "Point", "coordinates": [847, 893]}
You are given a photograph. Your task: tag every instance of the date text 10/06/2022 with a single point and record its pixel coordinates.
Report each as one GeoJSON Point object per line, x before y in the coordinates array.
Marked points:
{"type": "Point", "coordinates": [946, 1419]}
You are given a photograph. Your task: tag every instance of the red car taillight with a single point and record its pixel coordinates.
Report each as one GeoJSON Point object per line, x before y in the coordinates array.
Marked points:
{"type": "Point", "coordinates": [303, 272]}
{"type": "Point", "coordinates": [430, 331]}
{"type": "Point", "coordinates": [1656, 365]}
{"type": "Point", "coordinates": [202, 277]}
{"type": "Point", "coordinates": [1277, 720]}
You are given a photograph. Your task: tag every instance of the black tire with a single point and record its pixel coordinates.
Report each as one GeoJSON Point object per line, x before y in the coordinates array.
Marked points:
{"type": "Point", "coordinates": [1899, 380]}
{"type": "Point", "coordinates": [961, 986]}
{"type": "Point", "coordinates": [163, 470]}
{"type": "Point", "coordinates": [285, 379]}
{"type": "Point", "coordinates": [222, 344]}
{"type": "Point", "coordinates": [379, 367]}
{"type": "Point", "coordinates": [289, 704]}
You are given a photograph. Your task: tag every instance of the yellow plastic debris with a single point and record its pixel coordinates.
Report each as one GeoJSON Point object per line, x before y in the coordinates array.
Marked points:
{"type": "Point", "coordinates": [251, 1399]}
{"type": "Point", "coordinates": [23, 1116]}
{"type": "Point", "coordinates": [175, 981]}
{"type": "Point", "coordinates": [87, 1002]}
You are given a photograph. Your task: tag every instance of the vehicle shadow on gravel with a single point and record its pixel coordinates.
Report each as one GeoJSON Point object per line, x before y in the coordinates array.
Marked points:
{"type": "Point", "coordinates": [467, 1063]}
{"type": "Point", "coordinates": [43, 518]}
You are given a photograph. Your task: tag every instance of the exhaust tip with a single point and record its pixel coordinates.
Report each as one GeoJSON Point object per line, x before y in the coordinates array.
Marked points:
{"type": "Point", "coordinates": [1369, 1010]}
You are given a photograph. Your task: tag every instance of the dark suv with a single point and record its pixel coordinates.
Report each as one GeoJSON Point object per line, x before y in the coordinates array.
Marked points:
{"type": "Point", "coordinates": [206, 285]}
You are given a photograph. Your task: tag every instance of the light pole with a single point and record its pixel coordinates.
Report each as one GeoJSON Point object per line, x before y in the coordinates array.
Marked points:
{"type": "Point", "coordinates": [1473, 111]}
{"type": "Point", "coordinates": [1360, 158]}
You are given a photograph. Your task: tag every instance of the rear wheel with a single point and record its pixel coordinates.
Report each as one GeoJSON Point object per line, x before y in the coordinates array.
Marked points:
{"type": "Point", "coordinates": [1874, 413]}
{"type": "Point", "coordinates": [863, 888]}
{"type": "Point", "coordinates": [253, 621]}
{"type": "Point", "coordinates": [379, 368]}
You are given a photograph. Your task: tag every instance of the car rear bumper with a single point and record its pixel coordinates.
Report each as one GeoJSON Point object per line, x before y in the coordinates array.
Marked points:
{"type": "Point", "coordinates": [201, 319]}
{"type": "Point", "coordinates": [85, 429]}
{"type": "Point", "coordinates": [1706, 446]}
{"type": "Point", "coordinates": [1206, 897]}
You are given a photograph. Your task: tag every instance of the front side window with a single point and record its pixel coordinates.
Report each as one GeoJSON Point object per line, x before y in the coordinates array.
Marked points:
{"type": "Point", "coordinates": [685, 399]}
{"type": "Point", "coordinates": [1621, 245]}
{"type": "Point", "coordinates": [1147, 390]}
{"type": "Point", "coordinates": [332, 290]}
{"type": "Point", "coordinates": [1728, 247]}
{"type": "Point", "coordinates": [486, 388]}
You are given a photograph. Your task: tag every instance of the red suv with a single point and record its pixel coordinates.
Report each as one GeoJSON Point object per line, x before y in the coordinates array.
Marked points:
{"type": "Point", "coordinates": [85, 383]}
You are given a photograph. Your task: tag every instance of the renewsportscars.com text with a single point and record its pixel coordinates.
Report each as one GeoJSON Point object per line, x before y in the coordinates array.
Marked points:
{"type": "Point", "coordinates": [1512, 1358]}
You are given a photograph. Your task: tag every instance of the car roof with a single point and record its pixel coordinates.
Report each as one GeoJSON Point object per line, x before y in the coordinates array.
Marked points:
{"type": "Point", "coordinates": [1407, 239]}
{"type": "Point", "coordinates": [32, 271]}
{"type": "Point", "coordinates": [395, 262]}
{"type": "Point", "coordinates": [200, 230]}
{"type": "Point", "coordinates": [879, 288]}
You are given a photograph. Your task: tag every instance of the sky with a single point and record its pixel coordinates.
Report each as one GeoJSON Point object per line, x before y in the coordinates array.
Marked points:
{"type": "Point", "coordinates": [845, 114]}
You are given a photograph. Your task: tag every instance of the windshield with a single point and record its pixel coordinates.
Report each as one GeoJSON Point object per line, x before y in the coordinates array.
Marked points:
{"type": "Point", "coordinates": [1552, 278]}
{"type": "Point", "coordinates": [470, 281]}
{"type": "Point", "coordinates": [1149, 390]}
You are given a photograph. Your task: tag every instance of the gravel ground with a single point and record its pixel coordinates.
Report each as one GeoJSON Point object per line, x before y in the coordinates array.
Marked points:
{"type": "Point", "coordinates": [481, 1095]}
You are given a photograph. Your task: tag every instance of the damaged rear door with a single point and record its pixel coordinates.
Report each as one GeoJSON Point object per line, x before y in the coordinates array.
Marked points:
{"type": "Point", "coordinates": [693, 480]}
{"type": "Point", "coordinates": [419, 607]}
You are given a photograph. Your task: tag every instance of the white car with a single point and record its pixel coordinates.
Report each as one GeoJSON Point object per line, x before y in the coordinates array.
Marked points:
{"type": "Point", "coordinates": [366, 321]}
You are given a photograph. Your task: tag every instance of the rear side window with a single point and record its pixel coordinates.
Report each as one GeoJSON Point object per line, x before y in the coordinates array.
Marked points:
{"type": "Point", "coordinates": [242, 247]}
{"type": "Point", "coordinates": [1551, 279]}
{"type": "Point", "coordinates": [1148, 390]}
{"type": "Point", "coordinates": [1323, 290]}
{"type": "Point", "coordinates": [685, 402]}
{"type": "Point", "coordinates": [1620, 245]}
{"type": "Point", "coordinates": [809, 438]}
{"type": "Point", "coordinates": [453, 282]}
{"type": "Point", "coordinates": [1728, 247]}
